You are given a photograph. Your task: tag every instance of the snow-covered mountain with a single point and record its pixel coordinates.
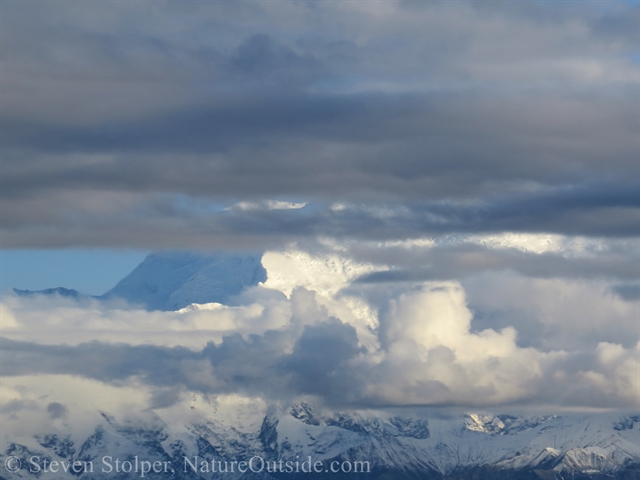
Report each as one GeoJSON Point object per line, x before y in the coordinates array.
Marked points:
{"type": "Point", "coordinates": [173, 280]}
{"type": "Point", "coordinates": [384, 444]}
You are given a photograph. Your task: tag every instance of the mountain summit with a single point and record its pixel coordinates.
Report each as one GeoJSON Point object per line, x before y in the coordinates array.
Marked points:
{"type": "Point", "coordinates": [173, 280]}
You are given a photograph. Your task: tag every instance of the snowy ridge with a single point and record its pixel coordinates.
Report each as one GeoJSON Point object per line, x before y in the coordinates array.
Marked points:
{"type": "Point", "coordinates": [410, 446]}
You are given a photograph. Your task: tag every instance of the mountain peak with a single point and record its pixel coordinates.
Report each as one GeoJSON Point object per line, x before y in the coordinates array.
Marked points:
{"type": "Point", "coordinates": [173, 280]}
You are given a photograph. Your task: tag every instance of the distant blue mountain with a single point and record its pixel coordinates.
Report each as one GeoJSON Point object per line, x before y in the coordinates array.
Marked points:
{"type": "Point", "coordinates": [61, 291]}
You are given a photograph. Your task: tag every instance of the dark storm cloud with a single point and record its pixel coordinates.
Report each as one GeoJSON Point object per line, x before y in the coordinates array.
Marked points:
{"type": "Point", "coordinates": [170, 222]}
{"type": "Point", "coordinates": [404, 145]}
{"type": "Point", "coordinates": [113, 363]}
{"type": "Point", "coordinates": [451, 112]}
{"type": "Point", "coordinates": [100, 361]}
{"type": "Point", "coordinates": [319, 358]}
{"type": "Point", "coordinates": [256, 365]}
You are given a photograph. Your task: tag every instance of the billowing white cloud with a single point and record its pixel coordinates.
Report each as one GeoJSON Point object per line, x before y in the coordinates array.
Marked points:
{"type": "Point", "coordinates": [313, 329]}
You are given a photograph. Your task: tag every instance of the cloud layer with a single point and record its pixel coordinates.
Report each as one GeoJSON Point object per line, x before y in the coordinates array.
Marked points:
{"type": "Point", "coordinates": [145, 127]}
{"type": "Point", "coordinates": [447, 194]}
{"type": "Point", "coordinates": [495, 339]}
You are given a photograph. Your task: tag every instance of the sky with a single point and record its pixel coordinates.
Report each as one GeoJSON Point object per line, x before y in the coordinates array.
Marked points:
{"type": "Point", "coordinates": [447, 195]}
{"type": "Point", "coordinates": [89, 271]}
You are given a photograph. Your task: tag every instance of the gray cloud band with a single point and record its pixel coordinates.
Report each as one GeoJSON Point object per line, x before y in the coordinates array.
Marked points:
{"type": "Point", "coordinates": [129, 138]}
{"type": "Point", "coordinates": [166, 222]}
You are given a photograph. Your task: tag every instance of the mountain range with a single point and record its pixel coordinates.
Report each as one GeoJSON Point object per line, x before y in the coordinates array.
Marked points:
{"type": "Point", "coordinates": [373, 444]}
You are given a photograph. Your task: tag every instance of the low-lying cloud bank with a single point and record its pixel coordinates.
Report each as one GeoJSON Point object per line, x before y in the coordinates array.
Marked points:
{"type": "Point", "coordinates": [315, 328]}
